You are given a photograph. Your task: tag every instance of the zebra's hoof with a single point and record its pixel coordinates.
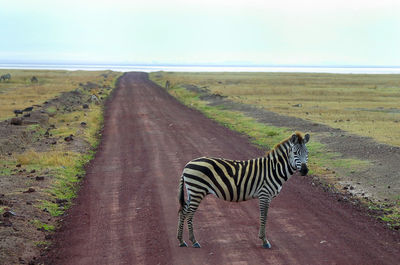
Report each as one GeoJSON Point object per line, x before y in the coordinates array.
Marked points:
{"type": "Point", "coordinates": [266, 245]}
{"type": "Point", "coordinates": [196, 245]}
{"type": "Point", "coordinates": [183, 244]}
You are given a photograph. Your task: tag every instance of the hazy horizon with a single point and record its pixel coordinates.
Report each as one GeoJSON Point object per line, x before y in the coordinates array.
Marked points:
{"type": "Point", "coordinates": [202, 32]}
{"type": "Point", "coordinates": [190, 64]}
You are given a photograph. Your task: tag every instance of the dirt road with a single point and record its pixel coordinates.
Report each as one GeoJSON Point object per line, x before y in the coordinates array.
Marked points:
{"type": "Point", "coordinates": [126, 212]}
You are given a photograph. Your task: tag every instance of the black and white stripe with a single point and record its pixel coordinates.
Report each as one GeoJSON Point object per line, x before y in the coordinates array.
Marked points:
{"type": "Point", "coordinates": [236, 181]}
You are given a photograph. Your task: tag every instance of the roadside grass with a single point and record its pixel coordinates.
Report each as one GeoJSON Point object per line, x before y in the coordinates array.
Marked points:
{"type": "Point", "coordinates": [387, 212]}
{"type": "Point", "coordinates": [39, 225]}
{"type": "Point", "coordinates": [366, 105]}
{"type": "Point", "coordinates": [67, 167]}
{"type": "Point", "coordinates": [322, 163]}
{"type": "Point", "coordinates": [70, 168]}
{"type": "Point", "coordinates": [70, 123]}
{"type": "Point", "coordinates": [63, 166]}
{"type": "Point", "coordinates": [64, 185]}
{"type": "Point", "coordinates": [41, 175]}
{"type": "Point", "coordinates": [42, 244]}
{"type": "Point", "coordinates": [49, 159]}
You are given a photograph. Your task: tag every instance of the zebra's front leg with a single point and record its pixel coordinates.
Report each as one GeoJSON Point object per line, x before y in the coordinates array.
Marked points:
{"type": "Point", "coordinates": [181, 222]}
{"type": "Point", "coordinates": [264, 205]}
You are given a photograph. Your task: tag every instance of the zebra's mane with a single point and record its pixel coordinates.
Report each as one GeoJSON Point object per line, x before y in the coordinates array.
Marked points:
{"type": "Point", "coordinates": [299, 135]}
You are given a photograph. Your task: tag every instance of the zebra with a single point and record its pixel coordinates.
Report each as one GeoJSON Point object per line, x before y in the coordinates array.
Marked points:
{"type": "Point", "coordinates": [235, 181]}
{"type": "Point", "coordinates": [5, 77]}
{"type": "Point", "coordinates": [34, 79]}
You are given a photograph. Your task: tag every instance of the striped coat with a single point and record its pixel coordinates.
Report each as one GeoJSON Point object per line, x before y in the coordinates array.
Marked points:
{"type": "Point", "coordinates": [236, 181]}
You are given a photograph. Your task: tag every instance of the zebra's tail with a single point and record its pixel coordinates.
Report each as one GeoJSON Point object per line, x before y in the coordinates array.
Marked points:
{"type": "Point", "coordinates": [181, 195]}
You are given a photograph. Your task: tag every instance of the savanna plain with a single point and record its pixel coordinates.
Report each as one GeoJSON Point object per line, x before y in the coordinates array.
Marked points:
{"type": "Point", "coordinates": [43, 150]}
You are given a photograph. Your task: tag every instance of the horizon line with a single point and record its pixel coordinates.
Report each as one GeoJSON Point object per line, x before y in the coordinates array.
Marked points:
{"type": "Point", "coordinates": [200, 64]}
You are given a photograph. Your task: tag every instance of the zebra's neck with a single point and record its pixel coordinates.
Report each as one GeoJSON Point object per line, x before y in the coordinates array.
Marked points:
{"type": "Point", "coordinates": [278, 164]}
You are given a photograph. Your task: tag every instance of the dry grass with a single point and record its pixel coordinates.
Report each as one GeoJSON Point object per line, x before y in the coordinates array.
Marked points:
{"type": "Point", "coordinates": [366, 105]}
{"type": "Point", "coordinates": [70, 123]}
{"type": "Point", "coordinates": [48, 159]}
{"type": "Point", "coordinates": [19, 92]}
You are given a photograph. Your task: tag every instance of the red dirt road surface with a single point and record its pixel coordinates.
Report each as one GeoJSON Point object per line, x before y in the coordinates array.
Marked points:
{"type": "Point", "coordinates": [126, 212]}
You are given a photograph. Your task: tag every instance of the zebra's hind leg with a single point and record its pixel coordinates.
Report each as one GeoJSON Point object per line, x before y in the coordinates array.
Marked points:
{"type": "Point", "coordinates": [194, 204]}
{"type": "Point", "coordinates": [181, 222]}
{"type": "Point", "coordinates": [191, 234]}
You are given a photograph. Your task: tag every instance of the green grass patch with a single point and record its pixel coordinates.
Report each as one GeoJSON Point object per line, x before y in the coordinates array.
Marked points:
{"type": "Point", "coordinates": [387, 212]}
{"type": "Point", "coordinates": [35, 131]}
{"type": "Point", "coordinates": [38, 224]}
{"type": "Point", "coordinates": [5, 171]}
{"type": "Point", "coordinates": [6, 165]}
{"type": "Point", "coordinates": [51, 110]}
{"type": "Point", "coordinates": [42, 244]}
{"type": "Point", "coordinates": [51, 207]}
{"type": "Point", "coordinates": [66, 178]}
{"type": "Point", "coordinates": [35, 128]}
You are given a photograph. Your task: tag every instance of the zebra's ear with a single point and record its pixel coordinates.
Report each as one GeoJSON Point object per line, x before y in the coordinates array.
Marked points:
{"type": "Point", "coordinates": [306, 138]}
{"type": "Point", "coordinates": [294, 139]}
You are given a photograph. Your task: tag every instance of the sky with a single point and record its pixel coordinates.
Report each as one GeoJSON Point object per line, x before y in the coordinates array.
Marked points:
{"type": "Point", "coordinates": [205, 32]}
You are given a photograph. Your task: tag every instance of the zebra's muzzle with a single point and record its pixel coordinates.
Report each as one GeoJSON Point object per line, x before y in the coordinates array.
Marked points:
{"type": "Point", "coordinates": [304, 169]}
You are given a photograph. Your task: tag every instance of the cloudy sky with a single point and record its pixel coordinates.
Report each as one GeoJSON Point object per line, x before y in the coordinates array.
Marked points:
{"type": "Point", "coordinates": [250, 32]}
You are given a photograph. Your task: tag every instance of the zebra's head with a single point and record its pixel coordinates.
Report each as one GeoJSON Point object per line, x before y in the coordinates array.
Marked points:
{"type": "Point", "coordinates": [298, 155]}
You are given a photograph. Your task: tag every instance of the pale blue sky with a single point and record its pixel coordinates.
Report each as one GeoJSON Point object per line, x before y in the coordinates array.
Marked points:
{"type": "Point", "coordinates": [261, 32]}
